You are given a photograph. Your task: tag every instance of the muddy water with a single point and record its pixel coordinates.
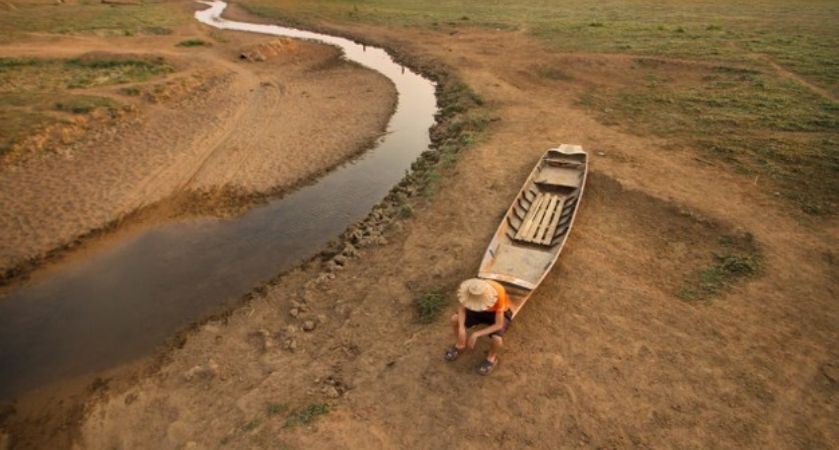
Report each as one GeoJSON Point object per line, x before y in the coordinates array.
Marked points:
{"type": "Point", "coordinates": [125, 301]}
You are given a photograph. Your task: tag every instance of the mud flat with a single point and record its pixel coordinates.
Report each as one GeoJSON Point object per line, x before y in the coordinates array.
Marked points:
{"type": "Point", "coordinates": [127, 299]}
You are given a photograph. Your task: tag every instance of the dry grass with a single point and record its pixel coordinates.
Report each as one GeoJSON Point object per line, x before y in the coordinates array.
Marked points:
{"type": "Point", "coordinates": [756, 121]}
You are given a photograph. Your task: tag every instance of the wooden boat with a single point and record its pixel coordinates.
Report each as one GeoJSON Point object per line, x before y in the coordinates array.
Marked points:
{"type": "Point", "coordinates": [535, 228]}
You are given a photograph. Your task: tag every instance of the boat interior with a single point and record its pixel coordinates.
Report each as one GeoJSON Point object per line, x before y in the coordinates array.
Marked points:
{"type": "Point", "coordinates": [536, 224]}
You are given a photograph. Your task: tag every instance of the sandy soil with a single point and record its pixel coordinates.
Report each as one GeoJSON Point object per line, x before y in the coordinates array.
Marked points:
{"type": "Point", "coordinates": [224, 124]}
{"type": "Point", "coordinates": [604, 355]}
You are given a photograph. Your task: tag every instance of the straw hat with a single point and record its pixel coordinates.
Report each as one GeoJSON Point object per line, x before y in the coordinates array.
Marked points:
{"type": "Point", "coordinates": [476, 294]}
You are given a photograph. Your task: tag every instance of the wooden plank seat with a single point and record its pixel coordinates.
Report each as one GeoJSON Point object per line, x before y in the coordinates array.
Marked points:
{"type": "Point", "coordinates": [541, 219]}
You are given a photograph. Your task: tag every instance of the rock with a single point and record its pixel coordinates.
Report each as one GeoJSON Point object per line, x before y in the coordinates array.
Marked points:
{"type": "Point", "coordinates": [831, 372]}
{"type": "Point", "coordinates": [290, 344]}
{"type": "Point", "coordinates": [322, 318]}
{"type": "Point", "coordinates": [331, 391]}
{"type": "Point", "coordinates": [200, 372]}
{"type": "Point", "coordinates": [601, 154]}
{"type": "Point", "coordinates": [356, 236]}
{"type": "Point", "coordinates": [290, 330]}
{"type": "Point", "coordinates": [340, 260]}
{"type": "Point", "coordinates": [350, 251]}
{"type": "Point", "coordinates": [332, 267]}
{"type": "Point", "coordinates": [294, 312]}
{"type": "Point", "coordinates": [130, 398]}
{"type": "Point", "coordinates": [309, 325]}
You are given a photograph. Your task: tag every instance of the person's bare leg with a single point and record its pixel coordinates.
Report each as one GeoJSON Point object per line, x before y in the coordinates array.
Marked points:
{"type": "Point", "coordinates": [497, 342]}
{"type": "Point", "coordinates": [460, 339]}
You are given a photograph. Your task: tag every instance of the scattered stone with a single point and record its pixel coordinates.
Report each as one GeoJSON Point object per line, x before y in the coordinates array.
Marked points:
{"type": "Point", "coordinates": [601, 153]}
{"type": "Point", "coordinates": [200, 372]}
{"type": "Point", "coordinates": [309, 325]}
{"type": "Point", "coordinates": [340, 260]}
{"type": "Point", "coordinates": [324, 277]}
{"type": "Point", "coordinates": [350, 251]}
{"type": "Point", "coordinates": [290, 344]}
{"type": "Point", "coordinates": [332, 267]}
{"type": "Point", "coordinates": [356, 236]}
{"type": "Point", "coordinates": [331, 391]}
{"type": "Point", "coordinates": [290, 330]}
{"type": "Point", "coordinates": [831, 372]}
{"type": "Point", "coordinates": [131, 398]}
{"type": "Point", "coordinates": [294, 312]}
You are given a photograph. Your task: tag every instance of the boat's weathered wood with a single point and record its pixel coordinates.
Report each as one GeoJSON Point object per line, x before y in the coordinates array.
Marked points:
{"type": "Point", "coordinates": [548, 236]}
{"type": "Point", "coordinates": [535, 229]}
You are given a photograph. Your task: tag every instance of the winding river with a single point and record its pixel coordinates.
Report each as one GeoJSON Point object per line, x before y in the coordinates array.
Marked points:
{"type": "Point", "coordinates": [125, 301]}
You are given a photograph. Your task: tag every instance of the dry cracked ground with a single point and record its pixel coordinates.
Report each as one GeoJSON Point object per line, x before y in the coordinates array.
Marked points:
{"type": "Point", "coordinates": [620, 347]}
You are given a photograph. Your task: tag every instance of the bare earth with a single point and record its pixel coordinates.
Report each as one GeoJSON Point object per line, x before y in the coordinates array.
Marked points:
{"type": "Point", "coordinates": [604, 355]}
{"type": "Point", "coordinates": [248, 127]}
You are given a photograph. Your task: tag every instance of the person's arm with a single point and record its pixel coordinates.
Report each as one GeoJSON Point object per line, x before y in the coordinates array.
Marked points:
{"type": "Point", "coordinates": [498, 325]}
{"type": "Point", "coordinates": [461, 323]}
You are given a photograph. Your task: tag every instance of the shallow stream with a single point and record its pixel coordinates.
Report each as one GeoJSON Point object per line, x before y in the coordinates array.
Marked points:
{"type": "Point", "coordinates": [126, 300]}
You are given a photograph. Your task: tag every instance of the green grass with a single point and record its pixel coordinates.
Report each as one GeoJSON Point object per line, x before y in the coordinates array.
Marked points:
{"type": "Point", "coordinates": [131, 91]}
{"type": "Point", "coordinates": [756, 121]}
{"type": "Point", "coordinates": [193, 43]}
{"type": "Point", "coordinates": [91, 17]}
{"type": "Point", "coordinates": [88, 71]}
{"type": "Point", "coordinates": [83, 104]}
{"type": "Point", "coordinates": [429, 306]}
{"type": "Point", "coordinates": [737, 260]}
{"type": "Point", "coordinates": [272, 409]}
{"type": "Point", "coordinates": [251, 425]}
{"type": "Point", "coordinates": [33, 90]}
{"type": "Point", "coordinates": [799, 35]}
{"type": "Point", "coordinates": [306, 414]}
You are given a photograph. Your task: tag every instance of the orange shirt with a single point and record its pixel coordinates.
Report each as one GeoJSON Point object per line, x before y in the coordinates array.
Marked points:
{"type": "Point", "coordinates": [503, 301]}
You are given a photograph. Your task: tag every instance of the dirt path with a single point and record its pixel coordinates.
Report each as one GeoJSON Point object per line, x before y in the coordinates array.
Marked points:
{"type": "Point", "coordinates": [604, 355]}
{"type": "Point", "coordinates": [244, 127]}
{"type": "Point", "coordinates": [780, 70]}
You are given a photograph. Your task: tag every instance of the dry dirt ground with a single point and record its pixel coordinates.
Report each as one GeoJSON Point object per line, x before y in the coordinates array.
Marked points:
{"type": "Point", "coordinates": [218, 125]}
{"type": "Point", "coordinates": [605, 355]}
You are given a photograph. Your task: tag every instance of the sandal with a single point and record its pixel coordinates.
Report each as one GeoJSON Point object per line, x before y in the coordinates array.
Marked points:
{"type": "Point", "coordinates": [452, 353]}
{"type": "Point", "coordinates": [486, 367]}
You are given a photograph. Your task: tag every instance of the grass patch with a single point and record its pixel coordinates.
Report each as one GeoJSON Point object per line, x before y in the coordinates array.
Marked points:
{"type": "Point", "coordinates": [306, 414]}
{"type": "Point", "coordinates": [92, 18]}
{"type": "Point", "coordinates": [755, 123]}
{"type": "Point", "coordinates": [91, 70]}
{"type": "Point", "coordinates": [193, 43]}
{"type": "Point", "coordinates": [272, 409]}
{"type": "Point", "coordinates": [799, 35]}
{"type": "Point", "coordinates": [131, 91]}
{"type": "Point", "coordinates": [429, 306]}
{"type": "Point", "coordinates": [737, 260]}
{"type": "Point", "coordinates": [251, 425]}
{"type": "Point", "coordinates": [13, 63]}
{"type": "Point", "coordinates": [758, 122]}
{"type": "Point", "coordinates": [104, 69]}
{"type": "Point", "coordinates": [84, 104]}
{"type": "Point", "coordinates": [34, 92]}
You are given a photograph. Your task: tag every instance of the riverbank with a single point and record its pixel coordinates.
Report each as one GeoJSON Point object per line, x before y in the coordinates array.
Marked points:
{"type": "Point", "coordinates": [214, 137]}
{"type": "Point", "coordinates": [606, 351]}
